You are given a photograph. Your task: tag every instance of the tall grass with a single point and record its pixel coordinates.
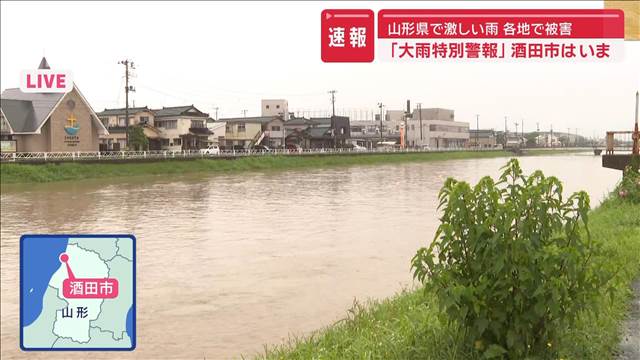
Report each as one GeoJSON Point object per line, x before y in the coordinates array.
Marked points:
{"type": "Point", "coordinates": [411, 326]}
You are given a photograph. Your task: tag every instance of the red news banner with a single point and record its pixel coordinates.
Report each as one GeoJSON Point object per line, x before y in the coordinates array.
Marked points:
{"type": "Point", "coordinates": [489, 35]}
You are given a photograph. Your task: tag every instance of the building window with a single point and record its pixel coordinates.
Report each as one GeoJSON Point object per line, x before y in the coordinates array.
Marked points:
{"type": "Point", "coordinates": [121, 121]}
{"type": "Point", "coordinates": [164, 142]}
{"type": "Point", "coordinates": [241, 127]}
{"type": "Point", "coordinates": [144, 119]}
{"type": "Point", "coordinates": [227, 128]}
{"type": "Point", "coordinates": [167, 124]}
{"type": "Point", "coordinates": [197, 123]}
{"type": "Point", "coordinates": [275, 128]}
{"type": "Point", "coordinates": [177, 141]}
{"type": "Point", "coordinates": [171, 124]}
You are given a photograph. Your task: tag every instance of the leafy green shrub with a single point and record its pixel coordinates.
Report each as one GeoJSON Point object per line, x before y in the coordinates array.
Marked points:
{"type": "Point", "coordinates": [511, 262]}
{"type": "Point", "coordinates": [629, 188]}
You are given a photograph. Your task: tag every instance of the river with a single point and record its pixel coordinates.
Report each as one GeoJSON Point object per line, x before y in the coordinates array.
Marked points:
{"type": "Point", "coordinates": [227, 263]}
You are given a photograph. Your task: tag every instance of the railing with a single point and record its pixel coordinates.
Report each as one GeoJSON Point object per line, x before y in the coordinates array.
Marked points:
{"type": "Point", "coordinates": [37, 157]}
{"type": "Point", "coordinates": [619, 141]}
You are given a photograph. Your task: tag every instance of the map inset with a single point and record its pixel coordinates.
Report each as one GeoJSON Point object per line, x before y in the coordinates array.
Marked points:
{"type": "Point", "coordinates": [77, 292]}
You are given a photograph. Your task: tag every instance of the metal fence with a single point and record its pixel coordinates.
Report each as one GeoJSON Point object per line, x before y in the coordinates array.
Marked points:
{"type": "Point", "coordinates": [191, 154]}
{"type": "Point", "coordinates": [70, 156]}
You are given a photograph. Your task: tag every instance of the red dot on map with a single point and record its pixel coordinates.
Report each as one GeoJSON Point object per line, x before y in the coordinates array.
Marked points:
{"type": "Point", "coordinates": [64, 257]}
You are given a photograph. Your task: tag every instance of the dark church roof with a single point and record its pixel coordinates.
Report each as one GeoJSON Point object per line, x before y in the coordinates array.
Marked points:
{"type": "Point", "coordinates": [27, 111]}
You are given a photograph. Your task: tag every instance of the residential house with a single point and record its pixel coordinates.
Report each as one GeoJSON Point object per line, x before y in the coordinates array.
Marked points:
{"type": "Point", "coordinates": [115, 121]}
{"type": "Point", "coordinates": [483, 139]}
{"type": "Point", "coordinates": [182, 127]}
{"type": "Point", "coordinates": [330, 132]}
{"type": "Point", "coordinates": [246, 132]}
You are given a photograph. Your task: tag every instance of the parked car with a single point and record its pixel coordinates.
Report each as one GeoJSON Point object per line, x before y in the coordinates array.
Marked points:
{"type": "Point", "coordinates": [210, 150]}
{"type": "Point", "coordinates": [261, 148]}
{"type": "Point", "coordinates": [294, 147]}
{"type": "Point", "coordinates": [357, 147]}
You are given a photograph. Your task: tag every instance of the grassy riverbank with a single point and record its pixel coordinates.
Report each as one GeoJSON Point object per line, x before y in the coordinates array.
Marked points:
{"type": "Point", "coordinates": [26, 173]}
{"type": "Point", "coordinates": [408, 326]}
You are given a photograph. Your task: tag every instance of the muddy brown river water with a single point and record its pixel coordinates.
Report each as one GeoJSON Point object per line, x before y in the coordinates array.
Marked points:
{"type": "Point", "coordinates": [227, 263]}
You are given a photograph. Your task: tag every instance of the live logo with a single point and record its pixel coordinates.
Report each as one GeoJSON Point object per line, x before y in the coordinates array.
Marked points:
{"type": "Point", "coordinates": [46, 81]}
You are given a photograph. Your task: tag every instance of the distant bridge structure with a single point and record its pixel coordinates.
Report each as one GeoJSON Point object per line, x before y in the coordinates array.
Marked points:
{"type": "Point", "coordinates": [622, 146]}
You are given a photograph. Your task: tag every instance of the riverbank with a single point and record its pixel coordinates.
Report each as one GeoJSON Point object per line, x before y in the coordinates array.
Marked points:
{"type": "Point", "coordinates": [408, 325]}
{"type": "Point", "coordinates": [12, 173]}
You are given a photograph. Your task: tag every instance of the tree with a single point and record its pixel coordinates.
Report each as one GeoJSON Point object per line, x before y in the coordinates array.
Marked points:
{"type": "Point", "coordinates": [137, 139]}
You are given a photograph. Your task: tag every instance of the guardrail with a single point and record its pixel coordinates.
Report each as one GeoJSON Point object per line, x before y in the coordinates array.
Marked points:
{"type": "Point", "coordinates": [39, 157]}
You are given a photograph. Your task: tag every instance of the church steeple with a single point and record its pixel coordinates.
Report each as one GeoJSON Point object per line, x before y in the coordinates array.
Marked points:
{"type": "Point", "coordinates": [44, 65]}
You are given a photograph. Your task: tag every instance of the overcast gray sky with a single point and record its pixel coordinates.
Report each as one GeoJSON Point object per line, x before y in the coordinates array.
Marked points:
{"type": "Point", "coordinates": [231, 55]}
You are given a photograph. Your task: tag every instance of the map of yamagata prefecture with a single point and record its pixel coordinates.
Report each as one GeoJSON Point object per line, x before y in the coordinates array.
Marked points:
{"type": "Point", "coordinates": [77, 292]}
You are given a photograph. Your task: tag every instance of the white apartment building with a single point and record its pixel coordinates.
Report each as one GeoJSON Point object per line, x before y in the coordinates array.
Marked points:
{"type": "Point", "coordinates": [218, 132]}
{"type": "Point", "coordinates": [439, 129]}
{"type": "Point", "coordinates": [275, 107]}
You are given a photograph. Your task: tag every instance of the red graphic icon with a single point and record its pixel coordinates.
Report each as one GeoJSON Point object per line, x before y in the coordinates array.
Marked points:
{"type": "Point", "coordinates": [87, 288]}
{"type": "Point", "coordinates": [347, 35]}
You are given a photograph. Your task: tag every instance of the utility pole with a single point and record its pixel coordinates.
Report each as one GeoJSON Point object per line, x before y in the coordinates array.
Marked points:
{"type": "Point", "coordinates": [127, 64]}
{"type": "Point", "coordinates": [333, 101]}
{"type": "Point", "coordinates": [477, 130]}
{"type": "Point", "coordinates": [380, 105]}
{"type": "Point", "coordinates": [505, 132]}
{"type": "Point", "coordinates": [568, 137]}
{"type": "Point", "coordinates": [216, 109]}
{"type": "Point", "coordinates": [636, 134]}
{"type": "Point", "coordinates": [420, 116]}
{"type": "Point", "coordinates": [407, 114]}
